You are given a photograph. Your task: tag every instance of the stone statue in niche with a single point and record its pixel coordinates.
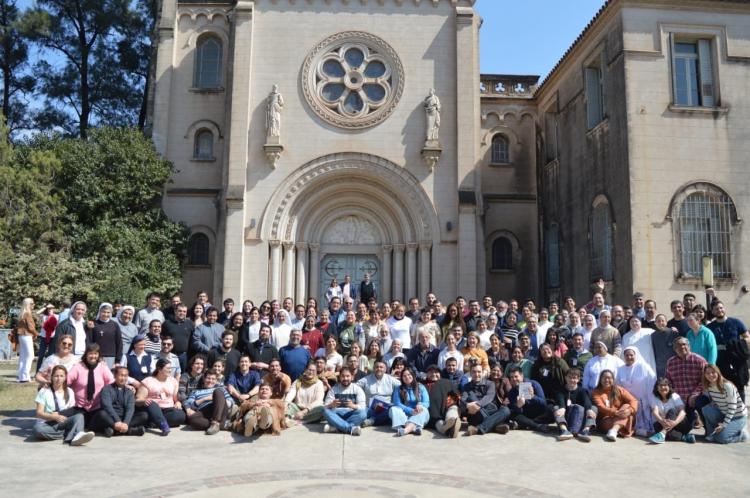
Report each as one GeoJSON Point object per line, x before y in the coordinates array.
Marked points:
{"type": "Point", "coordinates": [432, 110]}
{"type": "Point", "coordinates": [274, 105]}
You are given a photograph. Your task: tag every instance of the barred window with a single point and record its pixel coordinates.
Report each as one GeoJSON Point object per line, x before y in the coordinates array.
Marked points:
{"type": "Point", "coordinates": [502, 254]}
{"type": "Point", "coordinates": [208, 63]}
{"type": "Point", "coordinates": [704, 228]}
{"type": "Point", "coordinates": [500, 150]}
{"type": "Point", "coordinates": [600, 241]}
{"type": "Point", "coordinates": [198, 250]}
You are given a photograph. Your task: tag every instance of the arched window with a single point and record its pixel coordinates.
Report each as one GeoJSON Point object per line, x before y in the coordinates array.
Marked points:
{"type": "Point", "coordinates": [198, 250]}
{"type": "Point", "coordinates": [704, 228]}
{"type": "Point", "coordinates": [208, 62]}
{"type": "Point", "coordinates": [600, 241]}
{"type": "Point", "coordinates": [502, 254]}
{"type": "Point", "coordinates": [204, 145]}
{"type": "Point", "coordinates": [500, 149]}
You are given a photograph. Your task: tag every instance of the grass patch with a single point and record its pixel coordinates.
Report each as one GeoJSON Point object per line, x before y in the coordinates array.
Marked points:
{"type": "Point", "coordinates": [14, 396]}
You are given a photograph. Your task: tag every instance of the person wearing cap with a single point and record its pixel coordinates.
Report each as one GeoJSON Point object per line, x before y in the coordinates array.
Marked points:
{"type": "Point", "coordinates": [47, 332]}
{"type": "Point", "coordinates": [577, 356]}
{"type": "Point", "coordinates": [107, 335]}
{"type": "Point", "coordinates": [139, 362]}
{"type": "Point", "coordinates": [599, 363]}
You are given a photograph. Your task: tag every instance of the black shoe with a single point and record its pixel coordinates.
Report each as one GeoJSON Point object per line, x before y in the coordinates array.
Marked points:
{"type": "Point", "coordinates": [109, 432]}
{"type": "Point", "coordinates": [543, 428]}
{"type": "Point", "coordinates": [136, 431]}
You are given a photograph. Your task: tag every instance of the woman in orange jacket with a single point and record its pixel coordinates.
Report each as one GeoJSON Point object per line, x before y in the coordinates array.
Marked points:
{"type": "Point", "coordinates": [617, 407]}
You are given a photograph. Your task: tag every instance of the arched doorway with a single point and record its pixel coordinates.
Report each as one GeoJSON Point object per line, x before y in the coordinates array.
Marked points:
{"type": "Point", "coordinates": [356, 208]}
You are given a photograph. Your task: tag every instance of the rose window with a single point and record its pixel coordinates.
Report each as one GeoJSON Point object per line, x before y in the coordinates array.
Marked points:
{"type": "Point", "coordinates": [353, 80]}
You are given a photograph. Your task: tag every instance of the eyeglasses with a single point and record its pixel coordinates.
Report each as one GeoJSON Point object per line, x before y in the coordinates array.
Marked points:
{"type": "Point", "coordinates": [67, 344]}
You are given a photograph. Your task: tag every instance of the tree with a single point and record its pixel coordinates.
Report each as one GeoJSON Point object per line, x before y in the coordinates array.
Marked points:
{"type": "Point", "coordinates": [14, 57]}
{"type": "Point", "coordinates": [91, 85]}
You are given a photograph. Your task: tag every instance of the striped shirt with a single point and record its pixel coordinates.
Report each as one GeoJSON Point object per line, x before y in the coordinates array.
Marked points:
{"type": "Point", "coordinates": [728, 403]}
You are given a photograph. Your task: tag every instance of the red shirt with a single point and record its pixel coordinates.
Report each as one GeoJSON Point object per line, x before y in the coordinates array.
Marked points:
{"type": "Point", "coordinates": [312, 340]}
{"type": "Point", "coordinates": [685, 375]}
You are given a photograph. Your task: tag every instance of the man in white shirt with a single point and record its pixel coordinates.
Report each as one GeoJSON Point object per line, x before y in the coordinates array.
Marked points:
{"type": "Point", "coordinates": [378, 388]}
{"type": "Point", "coordinates": [400, 325]}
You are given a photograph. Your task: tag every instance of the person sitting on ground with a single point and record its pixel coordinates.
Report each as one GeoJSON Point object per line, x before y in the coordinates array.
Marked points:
{"type": "Point", "coordinates": [726, 416]}
{"type": "Point", "coordinates": [243, 384]}
{"type": "Point", "coordinates": [517, 360]}
{"type": "Point", "coordinates": [577, 356]}
{"type": "Point", "coordinates": [294, 357]}
{"type": "Point", "coordinates": [87, 378]}
{"type": "Point", "coordinates": [55, 409]}
{"type": "Point", "coordinates": [638, 378]}
{"type": "Point", "coordinates": [444, 403]}
{"type": "Point", "coordinates": [219, 368]}
{"type": "Point", "coordinates": [378, 387]}
{"type": "Point", "coordinates": [139, 362]}
{"type": "Point", "coordinates": [278, 380]}
{"type": "Point", "coordinates": [117, 416]}
{"type": "Point", "coordinates": [574, 412]}
{"type": "Point", "coordinates": [191, 380]}
{"type": "Point", "coordinates": [549, 371]}
{"type": "Point", "coordinates": [158, 396]}
{"type": "Point", "coordinates": [410, 405]}
{"type": "Point", "coordinates": [263, 413]}
{"type": "Point", "coordinates": [527, 403]}
{"type": "Point", "coordinates": [479, 406]}
{"type": "Point", "coordinates": [64, 357]}
{"type": "Point", "coordinates": [327, 377]}
{"type": "Point", "coordinates": [599, 363]}
{"type": "Point", "coordinates": [305, 397]}
{"type": "Point", "coordinates": [668, 414]}
{"type": "Point", "coordinates": [208, 408]}
{"type": "Point", "coordinates": [345, 405]}
{"type": "Point", "coordinates": [616, 407]}
{"type": "Point", "coordinates": [226, 352]}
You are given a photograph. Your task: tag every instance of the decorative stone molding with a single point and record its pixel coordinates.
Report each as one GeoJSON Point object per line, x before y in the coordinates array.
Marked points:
{"type": "Point", "coordinates": [301, 246]}
{"type": "Point", "coordinates": [387, 248]}
{"type": "Point", "coordinates": [273, 153]}
{"type": "Point", "coordinates": [352, 79]}
{"type": "Point", "coordinates": [425, 244]}
{"type": "Point", "coordinates": [274, 243]}
{"type": "Point", "coordinates": [399, 247]}
{"type": "Point", "coordinates": [288, 245]}
{"type": "Point", "coordinates": [431, 153]}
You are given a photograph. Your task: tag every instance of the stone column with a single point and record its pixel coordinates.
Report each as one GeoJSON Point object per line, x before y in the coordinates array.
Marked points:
{"type": "Point", "coordinates": [274, 276]}
{"type": "Point", "coordinates": [424, 268]}
{"type": "Point", "coordinates": [314, 271]}
{"type": "Point", "coordinates": [384, 293]}
{"type": "Point", "coordinates": [411, 270]}
{"type": "Point", "coordinates": [398, 272]}
{"type": "Point", "coordinates": [288, 270]}
{"type": "Point", "coordinates": [301, 290]}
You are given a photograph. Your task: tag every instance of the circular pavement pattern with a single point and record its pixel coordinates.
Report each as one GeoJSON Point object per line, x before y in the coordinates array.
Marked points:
{"type": "Point", "coordinates": [350, 483]}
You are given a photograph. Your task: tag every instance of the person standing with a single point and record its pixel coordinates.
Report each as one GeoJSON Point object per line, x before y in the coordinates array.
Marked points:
{"type": "Point", "coordinates": [207, 336]}
{"type": "Point", "coordinates": [294, 357]}
{"type": "Point", "coordinates": [152, 311]}
{"type": "Point", "coordinates": [26, 333]}
{"type": "Point", "coordinates": [47, 333]}
{"type": "Point", "coordinates": [367, 290]}
{"type": "Point", "coordinates": [702, 340]}
{"type": "Point", "coordinates": [181, 330]}
{"type": "Point", "coordinates": [725, 328]}
{"type": "Point", "coordinates": [107, 335]}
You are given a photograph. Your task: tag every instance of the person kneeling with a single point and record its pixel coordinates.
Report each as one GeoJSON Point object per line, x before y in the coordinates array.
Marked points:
{"type": "Point", "coordinates": [411, 403]}
{"type": "Point", "coordinates": [263, 413]}
{"type": "Point", "coordinates": [207, 408]}
{"type": "Point", "coordinates": [478, 405]}
{"type": "Point", "coordinates": [574, 412]}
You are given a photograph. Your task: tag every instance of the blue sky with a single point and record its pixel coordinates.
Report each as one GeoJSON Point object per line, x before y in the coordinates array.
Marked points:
{"type": "Point", "coordinates": [530, 36]}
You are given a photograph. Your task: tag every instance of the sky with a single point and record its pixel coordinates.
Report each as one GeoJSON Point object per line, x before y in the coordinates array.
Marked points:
{"type": "Point", "coordinates": [529, 36]}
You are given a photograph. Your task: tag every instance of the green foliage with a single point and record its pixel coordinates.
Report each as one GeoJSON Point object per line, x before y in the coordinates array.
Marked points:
{"type": "Point", "coordinates": [83, 218]}
{"type": "Point", "coordinates": [15, 81]}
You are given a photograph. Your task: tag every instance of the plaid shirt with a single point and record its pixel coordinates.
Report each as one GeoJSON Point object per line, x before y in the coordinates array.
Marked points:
{"type": "Point", "coordinates": [686, 375]}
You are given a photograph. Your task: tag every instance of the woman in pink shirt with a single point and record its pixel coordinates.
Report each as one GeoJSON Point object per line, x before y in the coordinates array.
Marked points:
{"type": "Point", "coordinates": [87, 379]}
{"type": "Point", "coordinates": [157, 396]}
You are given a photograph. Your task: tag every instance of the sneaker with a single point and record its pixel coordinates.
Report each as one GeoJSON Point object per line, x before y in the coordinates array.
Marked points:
{"type": "Point", "coordinates": [584, 436]}
{"type": "Point", "coordinates": [565, 435]}
{"type": "Point", "coordinates": [472, 431]}
{"type": "Point", "coordinates": [611, 436]}
{"type": "Point", "coordinates": [164, 426]}
{"type": "Point", "coordinates": [502, 428]}
{"type": "Point", "coordinates": [689, 438]}
{"type": "Point", "coordinates": [227, 425]}
{"type": "Point", "coordinates": [109, 432]}
{"type": "Point", "coordinates": [212, 429]}
{"type": "Point", "coordinates": [136, 431]}
{"type": "Point", "coordinates": [327, 428]}
{"type": "Point", "coordinates": [657, 438]}
{"type": "Point", "coordinates": [440, 426]}
{"type": "Point", "coordinates": [513, 425]}
{"type": "Point", "coordinates": [356, 431]}
{"type": "Point", "coordinates": [369, 422]}
{"type": "Point", "coordinates": [250, 423]}
{"type": "Point", "coordinates": [456, 430]}
{"type": "Point", "coordinates": [417, 431]}
{"type": "Point", "coordinates": [81, 438]}
{"type": "Point", "coordinates": [743, 436]}
{"type": "Point", "coordinates": [401, 432]}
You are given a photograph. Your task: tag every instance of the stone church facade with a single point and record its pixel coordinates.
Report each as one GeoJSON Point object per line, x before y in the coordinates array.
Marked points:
{"type": "Point", "coordinates": [318, 138]}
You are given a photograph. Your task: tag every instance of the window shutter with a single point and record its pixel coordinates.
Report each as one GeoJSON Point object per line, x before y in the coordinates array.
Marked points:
{"type": "Point", "coordinates": [593, 97]}
{"type": "Point", "coordinates": [706, 74]}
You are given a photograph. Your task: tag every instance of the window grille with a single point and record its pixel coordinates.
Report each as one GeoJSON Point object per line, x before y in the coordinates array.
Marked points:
{"type": "Point", "coordinates": [704, 229]}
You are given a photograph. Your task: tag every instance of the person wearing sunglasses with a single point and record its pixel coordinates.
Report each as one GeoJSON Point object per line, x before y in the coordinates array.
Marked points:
{"type": "Point", "coordinates": [64, 356]}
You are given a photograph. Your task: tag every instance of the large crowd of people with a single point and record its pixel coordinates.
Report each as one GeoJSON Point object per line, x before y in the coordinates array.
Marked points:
{"type": "Point", "coordinates": [352, 362]}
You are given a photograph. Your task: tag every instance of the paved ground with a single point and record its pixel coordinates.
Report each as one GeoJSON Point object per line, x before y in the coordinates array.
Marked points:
{"type": "Point", "coordinates": [305, 462]}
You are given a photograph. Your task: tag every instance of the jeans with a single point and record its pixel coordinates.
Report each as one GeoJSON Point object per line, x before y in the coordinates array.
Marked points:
{"type": "Point", "coordinates": [25, 357]}
{"type": "Point", "coordinates": [485, 421]}
{"type": "Point", "coordinates": [732, 431]}
{"type": "Point", "coordinates": [400, 419]}
{"type": "Point", "coordinates": [574, 417]}
{"type": "Point", "coordinates": [693, 412]}
{"type": "Point", "coordinates": [344, 419]}
{"type": "Point", "coordinates": [172, 416]}
{"type": "Point", "coordinates": [42, 352]}
{"type": "Point", "coordinates": [66, 430]}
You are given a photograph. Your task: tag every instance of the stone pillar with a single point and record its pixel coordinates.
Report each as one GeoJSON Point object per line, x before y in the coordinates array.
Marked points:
{"type": "Point", "coordinates": [301, 290]}
{"type": "Point", "coordinates": [467, 253]}
{"type": "Point", "coordinates": [288, 270]}
{"type": "Point", "coordinates": [398, 272]}
{"type": "Point", "coordinates": [274, 276]}
{"type": "Point", "coordinates": [411, 270]}
{"type": "Point", "coordinates": [424, 268]}
{"type": "Point", "coordinates": [314, 271]}
{"type": "Point", "coordinates": [384, 293]}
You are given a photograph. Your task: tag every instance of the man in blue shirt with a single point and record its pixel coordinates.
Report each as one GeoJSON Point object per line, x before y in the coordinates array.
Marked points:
{"type": "Point", "coordinates": [208, 334]}
{"type": "Point", "coordinates": [294, 357]}
{"type": "Point", "coordinates": [244, 383]}
{"type": "Point", "coordinates": [527, 407]}
{"type": "Point", "coordinates": [725, 328]}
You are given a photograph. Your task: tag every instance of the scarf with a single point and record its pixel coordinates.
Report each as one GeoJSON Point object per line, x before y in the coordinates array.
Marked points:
{"type": "Point", "coordinates": [304, 383]}
{"type": "Point", "coordinates": [90, 384]}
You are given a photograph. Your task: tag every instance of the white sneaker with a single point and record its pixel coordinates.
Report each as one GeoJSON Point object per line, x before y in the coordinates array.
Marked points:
{"type": "Point", "coordinates": [611, 436]}
{"type": "Point", "coordinates": [356, 431]}
{"type": "Point", "coordinates": [82, 438]}
{"type": "Point", "coordinates": [327, 428]}
{"type": "Point", "coordinates": [744, 436]}
{"type": "Point", "coordinates": [368, 422]}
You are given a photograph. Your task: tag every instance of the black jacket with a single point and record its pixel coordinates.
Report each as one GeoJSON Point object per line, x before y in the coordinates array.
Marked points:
{"type": "Point", "coordinates": [118, 403]}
